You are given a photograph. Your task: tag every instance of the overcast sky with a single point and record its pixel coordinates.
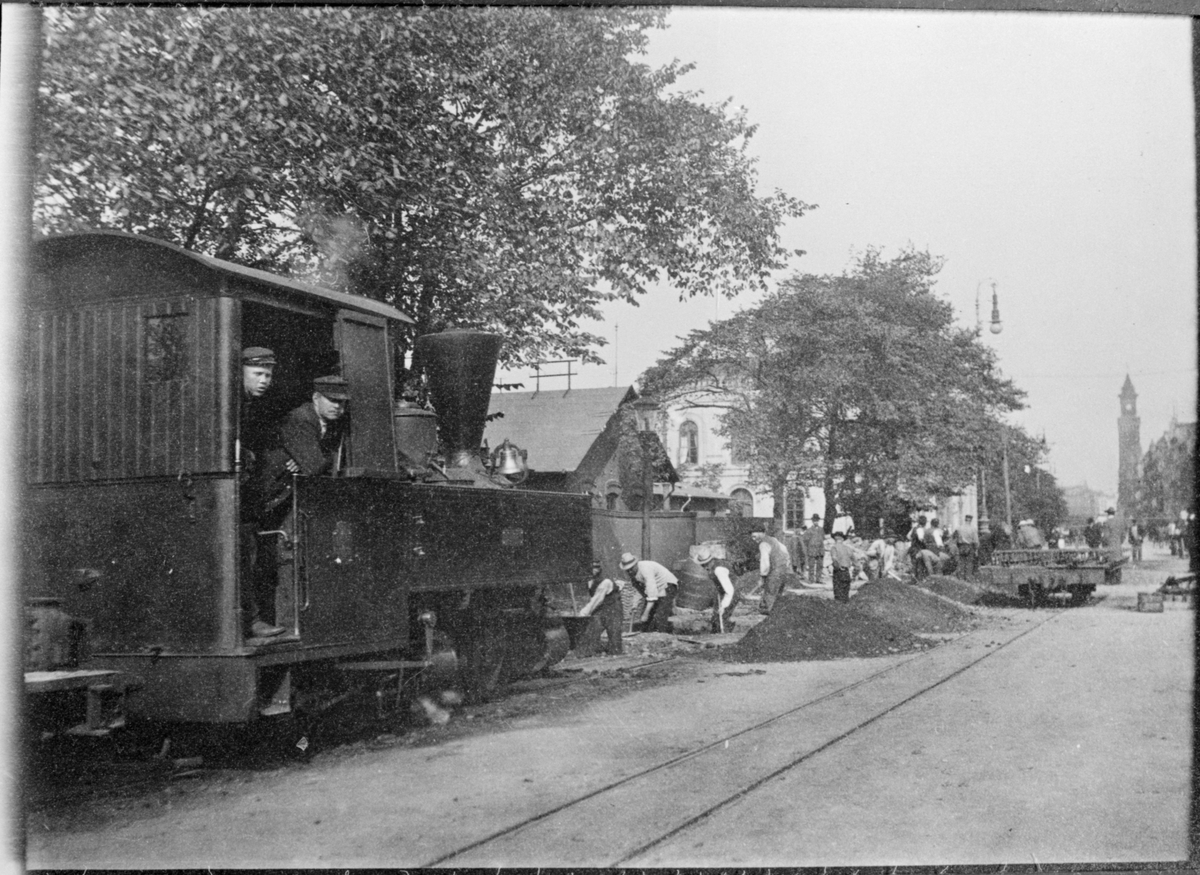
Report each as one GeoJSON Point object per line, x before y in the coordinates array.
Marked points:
{"type": "Point", "coordinates": [1051, 154]}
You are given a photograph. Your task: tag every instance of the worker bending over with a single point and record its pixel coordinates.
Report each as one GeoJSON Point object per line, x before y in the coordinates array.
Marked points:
{"type": "Point", "coordinates": [605, 613]}
{"type": "Point", "coordinates": [727, 597]}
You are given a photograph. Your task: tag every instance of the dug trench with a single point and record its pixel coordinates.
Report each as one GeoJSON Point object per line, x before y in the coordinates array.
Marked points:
{"type": "Point", "coordinates": [84, 783]}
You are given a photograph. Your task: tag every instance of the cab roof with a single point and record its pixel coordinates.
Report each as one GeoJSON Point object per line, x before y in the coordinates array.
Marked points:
{"type": "Point", "coordinates": [61, 246]}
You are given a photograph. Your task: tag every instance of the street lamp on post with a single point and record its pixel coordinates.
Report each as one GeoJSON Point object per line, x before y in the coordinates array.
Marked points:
{"type": "Point", "coordinates": [995, 327]}
{"type": "Point", "coordinates": [645, 410]}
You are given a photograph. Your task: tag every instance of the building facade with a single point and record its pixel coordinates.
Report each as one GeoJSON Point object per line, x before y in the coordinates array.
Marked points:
{"type": "Point", "coordinates": [690, 429]}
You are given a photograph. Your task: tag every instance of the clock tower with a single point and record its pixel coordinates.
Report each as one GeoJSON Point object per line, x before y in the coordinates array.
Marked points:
{"type": "Point", "coordinates": [1130, 448]}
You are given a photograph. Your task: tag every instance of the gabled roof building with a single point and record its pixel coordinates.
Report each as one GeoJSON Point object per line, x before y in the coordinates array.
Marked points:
{"type": "Point", "coordinates": [589, 440]}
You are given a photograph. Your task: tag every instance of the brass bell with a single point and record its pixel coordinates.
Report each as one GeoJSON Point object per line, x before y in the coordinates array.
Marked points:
{"type": "Point", "coordinates": [508, 460]}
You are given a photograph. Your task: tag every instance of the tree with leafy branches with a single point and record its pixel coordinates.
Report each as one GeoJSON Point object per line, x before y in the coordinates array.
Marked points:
{"type": "Point", "coordinates": [859, 383]}
{"type": "Point", "coordinates": [1033, 490]}
{"type": "Point", "coordinates": [509, 169]}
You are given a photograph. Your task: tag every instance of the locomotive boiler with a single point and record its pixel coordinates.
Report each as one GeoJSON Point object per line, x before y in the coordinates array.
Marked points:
{"type": "Point", "coordinates": [417, 554]}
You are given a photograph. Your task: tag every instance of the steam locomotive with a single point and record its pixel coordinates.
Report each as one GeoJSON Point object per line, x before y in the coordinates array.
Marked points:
{"type": "Point", "coordinates": [417, 555]}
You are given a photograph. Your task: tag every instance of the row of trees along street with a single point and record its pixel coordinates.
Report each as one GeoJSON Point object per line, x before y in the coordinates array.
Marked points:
{"type": "Point", "coordinates": [512, 170]}
{"type": "Point", "coordinates": [862, 384]}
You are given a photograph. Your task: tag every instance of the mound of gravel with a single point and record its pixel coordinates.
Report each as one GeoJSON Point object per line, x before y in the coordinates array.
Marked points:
{"type": "Point", "coordinates": [912, 608]}
{"type": "Point", "coordinates": [809, 627]}
{"type": "Point", "coordinates": [952, 588]}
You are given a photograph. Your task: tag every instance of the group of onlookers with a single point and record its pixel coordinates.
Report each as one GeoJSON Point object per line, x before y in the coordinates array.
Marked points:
{"type": "Point", "coordinates": [925, 550]}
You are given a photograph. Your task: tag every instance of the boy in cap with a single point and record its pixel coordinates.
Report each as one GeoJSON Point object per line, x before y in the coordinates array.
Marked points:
{"type": "Point", "coordinates": [605, 613]}
{"type": "Point", "coordinates": [258, 370]}
{"type": "Point", "coordinates": [727, 596]}
{"type": "Point", "coordinates": [657, 585]}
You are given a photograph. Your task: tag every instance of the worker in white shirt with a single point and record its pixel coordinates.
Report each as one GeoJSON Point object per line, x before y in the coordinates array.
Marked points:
{"type": "Point", "coordinates": [881, 560]}
{"type": "Point", "coordinates": [658, 586]}
{"type": "Point", "coordinates": [727, 596]}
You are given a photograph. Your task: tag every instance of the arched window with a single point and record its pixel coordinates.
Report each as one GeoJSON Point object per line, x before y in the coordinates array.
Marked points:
{"type": "Point", "coordinates": [742, 503]}
{"type": "Point", "coordinates": [612, 495]}
{"type": "Point", "coordinates": [689, 443]}
{"type": "Point", "coordinates": [794, 509]}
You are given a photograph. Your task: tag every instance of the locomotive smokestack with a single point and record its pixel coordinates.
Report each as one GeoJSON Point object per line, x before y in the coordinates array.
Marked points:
{"type": "Point", "coordinates": [460, 366]}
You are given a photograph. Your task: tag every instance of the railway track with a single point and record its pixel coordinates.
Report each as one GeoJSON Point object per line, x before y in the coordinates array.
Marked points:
{"type": "Point", "coordinates": [700, 782]}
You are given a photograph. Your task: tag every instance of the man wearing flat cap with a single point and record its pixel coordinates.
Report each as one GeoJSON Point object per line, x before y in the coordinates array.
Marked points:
{"type": "Point", "coordinates": [308, 441]}
{"type": "Point", "coordinates": [258, 370]}
{"type": "Point", "coordinates": [254, 435]}
{"type": "Point", "coordinates": [312, 434]}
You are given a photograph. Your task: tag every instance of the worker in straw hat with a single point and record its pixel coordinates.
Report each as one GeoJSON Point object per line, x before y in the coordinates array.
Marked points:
{"type": "Point", "coordinates": [727, 596]}
{"type": "Point", "coordinates": [658, 586]}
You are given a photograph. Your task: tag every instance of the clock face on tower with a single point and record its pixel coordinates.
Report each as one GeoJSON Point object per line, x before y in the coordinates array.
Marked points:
{"type": "Point", "coordinates": [1128, 407]}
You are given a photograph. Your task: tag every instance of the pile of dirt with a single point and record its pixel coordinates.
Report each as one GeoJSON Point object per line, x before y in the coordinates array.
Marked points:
{"type": "Point", "coordinates": [804, 627]}
{"type": "Point", "coordinates": [963, 591]}
{"type": "Point", "coordinates": [912, 608]}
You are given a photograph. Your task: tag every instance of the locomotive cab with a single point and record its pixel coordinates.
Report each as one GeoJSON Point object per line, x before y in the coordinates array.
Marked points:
{"type": "Point", "coordinates": [133, 494]}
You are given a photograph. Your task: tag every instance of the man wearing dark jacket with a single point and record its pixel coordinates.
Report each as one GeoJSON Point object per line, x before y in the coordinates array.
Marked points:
{"type": "Point", "coordinates": [812, 547]}
{"type": "Point", "coordinates": [312, 434]}
{"type": "Point", "coordinates": [309, 442]}
{"type": "Point", "coordinates": [254, 435]}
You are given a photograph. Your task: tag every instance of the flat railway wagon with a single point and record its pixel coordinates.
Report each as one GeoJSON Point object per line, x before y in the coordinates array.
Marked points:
{"type": "Point", "coordinates": [1038, 576]}
{"type": "Point", "coordinates": [394, 567]}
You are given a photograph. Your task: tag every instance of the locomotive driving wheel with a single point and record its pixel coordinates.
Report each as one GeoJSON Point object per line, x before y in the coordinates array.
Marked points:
{"type": "Point", "coordinates": [502, 636]}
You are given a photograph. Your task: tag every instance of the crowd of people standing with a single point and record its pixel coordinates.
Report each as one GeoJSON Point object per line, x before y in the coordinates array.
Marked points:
{"type": "Point", "coordinates": [842, 557]}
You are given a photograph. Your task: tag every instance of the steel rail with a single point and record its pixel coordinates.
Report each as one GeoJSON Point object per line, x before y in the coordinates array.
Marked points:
{"type": "Point", "coordinates": [733, 797]}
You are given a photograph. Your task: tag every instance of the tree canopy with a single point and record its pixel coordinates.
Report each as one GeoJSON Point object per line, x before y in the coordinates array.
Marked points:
{"type": "Point", "coordinates": [1033, 491]}
{"type": "Point", "coordinates": [506, 169]}
{"type": "Point", "coordinates": [858, 382]}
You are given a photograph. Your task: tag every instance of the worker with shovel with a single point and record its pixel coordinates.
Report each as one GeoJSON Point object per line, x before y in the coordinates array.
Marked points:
{"type": "Point", "coordinates": [605, 614]}
{"type": "Point", "coordinates": [727, 597]}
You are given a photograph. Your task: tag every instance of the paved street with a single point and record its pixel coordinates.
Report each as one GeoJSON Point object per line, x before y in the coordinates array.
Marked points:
{"type": "Point", "coordinates": [1045, 736]}
{"type": "Point", "coordinates": [1070, 745]}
